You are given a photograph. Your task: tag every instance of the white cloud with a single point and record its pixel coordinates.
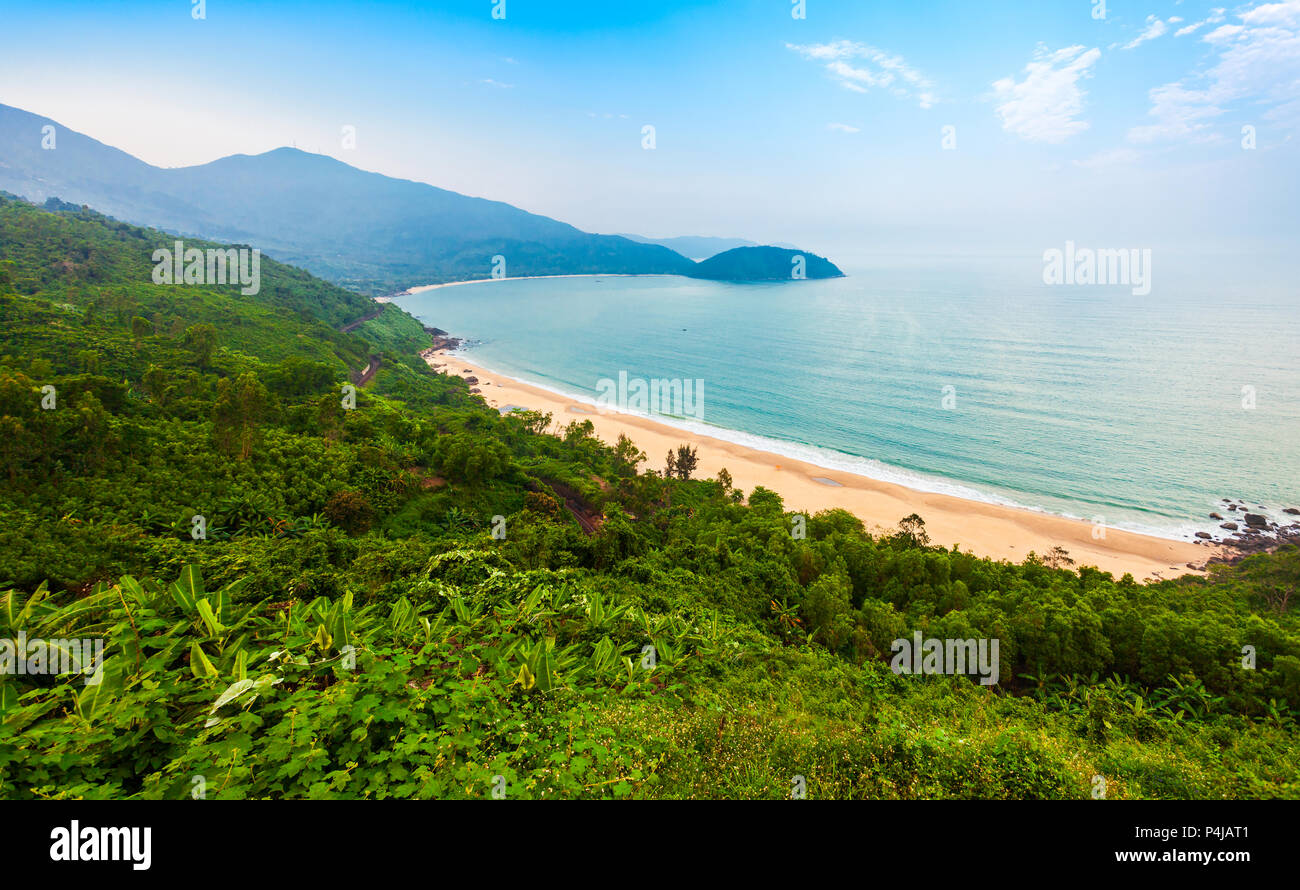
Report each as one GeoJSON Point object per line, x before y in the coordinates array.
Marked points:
{"type": "Point", "coordinates": [1258, 60]}
{"type": "Point", "coordinates": [872, 68]}
{"type": "Point", "coordinates": [1215, 16]}
{"type": "Point", "coordinates": [1223, 33]}
{"type": "Point", "coordinates": [1045, 105]}
{"type": "Point", "coordinates": [1285, 13]}
{"type": "Point", "coordinates": [844, 128]}
{"type": "Point", "coordinates": [1155, 27]}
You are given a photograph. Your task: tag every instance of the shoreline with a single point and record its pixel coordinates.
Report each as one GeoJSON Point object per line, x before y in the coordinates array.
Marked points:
{"type": "Point", "coordinates": [986, 529]}
{"type": "Point", "coordinates": [421, 288]}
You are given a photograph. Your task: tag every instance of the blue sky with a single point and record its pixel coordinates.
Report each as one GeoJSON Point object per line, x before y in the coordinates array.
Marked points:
{"type": "Point", "coordinates": [826, 131]}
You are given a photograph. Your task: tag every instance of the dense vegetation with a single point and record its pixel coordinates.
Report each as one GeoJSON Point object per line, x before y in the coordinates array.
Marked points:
{"type": "Point", "coordinates": [419, 597]}
{"type": "Point", "coordinates": [764, 264]}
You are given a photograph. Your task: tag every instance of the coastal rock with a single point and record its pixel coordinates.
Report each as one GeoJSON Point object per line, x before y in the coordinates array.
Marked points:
{"type": "Point", "coordinates": [1254, 520]}
{"type": "Point", "coordinates": [1232, 507]}
{"type": "Point", "coordinates": [1292, 511]}
{"type": "Point", "coordinates": [471, 380]}
{"type": "Point", "coordinates": [1215, 516]}
{"type": "Point", "coordinates": [1203, 535]}
{"type": "Point", "coordinates": [1230, 526]}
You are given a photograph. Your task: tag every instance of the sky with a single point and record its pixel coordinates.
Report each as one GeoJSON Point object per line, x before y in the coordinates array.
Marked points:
{"type": "Point", "coordinates": [843, 127]}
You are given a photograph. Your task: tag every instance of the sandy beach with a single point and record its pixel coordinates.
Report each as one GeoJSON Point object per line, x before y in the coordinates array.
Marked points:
{"type": "Point", "coordinates": [989, 530]}
{"type": "Point", "coordinates": [421, 288]}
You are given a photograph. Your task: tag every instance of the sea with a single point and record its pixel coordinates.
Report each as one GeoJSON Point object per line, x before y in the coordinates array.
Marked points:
{"type": "Point", "coordinates": [956, 374]}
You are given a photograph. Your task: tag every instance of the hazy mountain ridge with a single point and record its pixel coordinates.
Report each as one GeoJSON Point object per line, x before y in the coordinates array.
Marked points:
{"type": "Point", "coordinates": [366, 230]}
{"type": "Point", "coordinates": [371, 232]}
{"type": "Point", "coordinates": [698, 247]}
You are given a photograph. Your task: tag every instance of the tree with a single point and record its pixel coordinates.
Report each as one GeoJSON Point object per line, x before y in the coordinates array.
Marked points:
{"type": "Point", "coordinates": [911, 529]}
{"type": "Point", "coordinates": [680, 464]}
{"type": "Point", "coordinates": [724, 480]}
{"type": "Point", "coordinates": [241, 405]}
{"type": "Point", "coordinates": [1058, 558]}
{"type": "Point", "coordinates": [766, 501]}
{"type": "Point", "coordinates": [89, 360]}
{"type": "Point", "coordinates": [155, 384]}
{"type": "Point", "coordinates": [577, 431]}
{"type": "Point", "coordinates": [350, 511]}
{"type": "Point", "coordinates": [468, 458]}
{"type": "Point", "coordinates": [827, 608]}
{"type": "Point", "coordinates": [140, 328]}
{"type": "Point", "coordinates": [627, 455]}
{"type": "Point", "coordinates": [201, 339]}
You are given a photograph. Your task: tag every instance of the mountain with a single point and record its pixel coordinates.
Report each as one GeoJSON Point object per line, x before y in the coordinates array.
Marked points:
{"type": "Point", "coordinates": [364, 230]}
{"type": "Point", "coordinates": [697, 247]}
{"type": "Point", "coordinates": [763, 264]}
{"type": "Point", "coordinates": [370, 232]}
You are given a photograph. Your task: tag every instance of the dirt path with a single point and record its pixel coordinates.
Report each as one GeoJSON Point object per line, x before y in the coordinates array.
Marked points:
{"type": "Point", "coordinates": [353, 325]}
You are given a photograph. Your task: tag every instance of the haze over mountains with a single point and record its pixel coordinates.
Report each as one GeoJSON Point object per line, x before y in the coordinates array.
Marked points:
{"type": "Point", "coordinates": [699, 247]}
{"type": "Point", "coordinates": [367, 231]}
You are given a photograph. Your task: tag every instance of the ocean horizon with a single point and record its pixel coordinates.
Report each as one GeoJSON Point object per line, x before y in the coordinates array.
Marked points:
{"type": "Point", "coordinates": [955, 375]}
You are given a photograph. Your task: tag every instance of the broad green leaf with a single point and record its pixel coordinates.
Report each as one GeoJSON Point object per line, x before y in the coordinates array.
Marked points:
{"type": "Point", "coordinates": [200, 665]}
{"type": "Point", "coordinates": [233, 691]}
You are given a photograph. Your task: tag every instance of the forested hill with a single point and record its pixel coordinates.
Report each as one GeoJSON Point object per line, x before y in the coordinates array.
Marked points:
{"type": "Point", "coordinates": [765, 264]}
{"type": "Point", "coordinates": [415, 596]}
{"type": "Point", "coordinates": [371, 232]}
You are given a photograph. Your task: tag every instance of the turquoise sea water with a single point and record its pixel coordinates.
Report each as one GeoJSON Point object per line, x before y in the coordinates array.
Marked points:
{"type": "Point", "coordinates": [1084, 401]}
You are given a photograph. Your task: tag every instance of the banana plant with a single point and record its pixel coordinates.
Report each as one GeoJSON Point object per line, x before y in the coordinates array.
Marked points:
{"type": "Point", "coordinates": [542, 664]}
{"type": "Point", "coordinates": [600, 614]}
{"type": "Point", "coordinates": [606, 659]}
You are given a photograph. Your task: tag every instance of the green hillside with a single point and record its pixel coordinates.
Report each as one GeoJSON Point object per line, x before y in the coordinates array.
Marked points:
{"type": "Point", "coordinates": [419, 597]}
{"type": "Point", "coordinates": [765, 264]}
